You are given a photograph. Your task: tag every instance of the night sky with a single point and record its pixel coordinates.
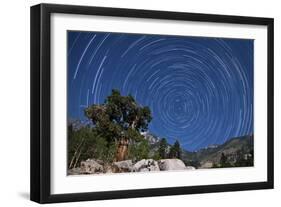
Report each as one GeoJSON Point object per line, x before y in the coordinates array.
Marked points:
{"type": "Point", "coordinates": [200, 90]}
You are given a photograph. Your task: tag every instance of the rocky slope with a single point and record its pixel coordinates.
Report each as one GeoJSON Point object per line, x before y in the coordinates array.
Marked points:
{"type": "Point", "coordinates": [233, 149]}
{"type": "Point", "coordinates": [211, 155]}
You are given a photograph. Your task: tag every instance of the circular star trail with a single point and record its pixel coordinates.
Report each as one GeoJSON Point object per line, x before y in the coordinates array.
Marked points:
{"type": "Point", "coordinates": [200, 90]}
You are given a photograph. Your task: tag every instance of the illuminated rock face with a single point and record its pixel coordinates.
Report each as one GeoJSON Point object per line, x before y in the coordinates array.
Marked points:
{"type": "Point", "coordinates": [172, 164]}
{"type": "Point", "coordinates": [91, 166]}
{"type": "Point", "coordinates": [146, 165]}
{"type": "Point", "coordinates": [123, 166]}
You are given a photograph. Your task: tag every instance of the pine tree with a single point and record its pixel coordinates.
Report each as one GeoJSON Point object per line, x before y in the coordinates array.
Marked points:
{"type": "Point", "coordinates": [175, 151]}
{"type": "Point", "coordinates": [163, 148]}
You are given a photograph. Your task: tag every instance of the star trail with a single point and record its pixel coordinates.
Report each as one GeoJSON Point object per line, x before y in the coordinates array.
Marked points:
{"type": "Point", "coordinates": [199, 89]}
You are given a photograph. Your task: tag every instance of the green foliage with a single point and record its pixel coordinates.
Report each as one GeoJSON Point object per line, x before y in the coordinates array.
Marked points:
{"type": "Point", "coordinates": [110, 153]}
{"type": "Point", "coordinates": [156, 156]}
{"type": "Point", "coordinates": [86, 143]}
{"type": "Point", "coordinates": [244, 159]}
{"type": "Point", "coordinates": [139, 150]}
{"type": "Point", "coordinates": [162, 151]}
{"type": "Point", "coordinates": [76, 142]}
{"type": "Point", "coordinates": [224, 161]}
{"type": "Point", "coordinates": [215, 165]}
{"type": "Point", "coordinates": [175, 151]}
{"type": "Point", "coordinates": [119, 117]}
{"type": "Point", "coordinates": [195, 163]}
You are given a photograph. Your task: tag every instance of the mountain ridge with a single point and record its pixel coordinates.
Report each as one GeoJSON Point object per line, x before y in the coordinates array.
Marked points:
{"type": "Point", "coordinates": [234, 148]}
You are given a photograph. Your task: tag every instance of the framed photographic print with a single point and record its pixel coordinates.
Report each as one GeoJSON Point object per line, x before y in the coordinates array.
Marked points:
{"type": "Point", "coordinates": [132, 103]}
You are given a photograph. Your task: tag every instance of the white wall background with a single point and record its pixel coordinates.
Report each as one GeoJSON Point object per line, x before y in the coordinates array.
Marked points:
{"type": "Point", "coordinates": [14, 93]}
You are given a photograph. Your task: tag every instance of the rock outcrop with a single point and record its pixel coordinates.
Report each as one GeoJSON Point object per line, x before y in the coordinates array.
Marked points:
{"type": "Point", "coordinates": [123, 166]}
{"type": "Point", "coordinates": [91, 166]}
{"type": "Point", "coordinates": [171, 164]}
{"type": "Point", "coordinates": [146, 165]}
{"type": "Point", "coordinates": [74, 171]}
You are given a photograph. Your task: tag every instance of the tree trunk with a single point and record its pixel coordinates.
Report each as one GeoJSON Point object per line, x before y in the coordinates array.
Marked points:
{"type": "Point", "coordinates": [123, 143]}
{"type": "Point", "coordinates": [75, 154]}
{"type": "Point", "coordinates": [122, 149]}
{"type": "Point", "coordinates": [78, 156]}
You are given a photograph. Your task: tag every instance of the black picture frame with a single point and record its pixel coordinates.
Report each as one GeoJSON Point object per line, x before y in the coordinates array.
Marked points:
{"type": "Point", "coordinates": [41, 96]}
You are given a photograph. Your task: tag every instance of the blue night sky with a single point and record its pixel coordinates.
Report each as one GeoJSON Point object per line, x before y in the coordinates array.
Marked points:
{"type": "Point", "coordinates": [199, 90]}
